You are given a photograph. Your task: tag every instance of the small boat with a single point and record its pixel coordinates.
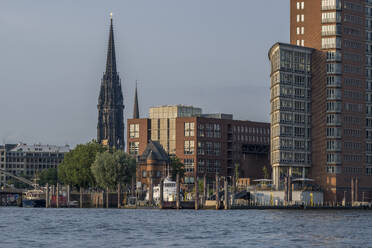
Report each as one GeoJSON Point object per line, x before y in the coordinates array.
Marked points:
{"type": "Point", "coordinates": [34, 198]}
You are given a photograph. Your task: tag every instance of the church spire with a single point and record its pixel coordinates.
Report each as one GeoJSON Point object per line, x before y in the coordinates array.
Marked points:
{"type": "Point", "coordinates": [111, 59]}
{"type": "Point", "coordinates": [110, 127]}
{"type": "Point", "coordinates": [135, 106]}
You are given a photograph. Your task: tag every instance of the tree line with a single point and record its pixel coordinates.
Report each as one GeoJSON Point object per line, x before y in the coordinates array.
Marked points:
{"type": "Point", "coordinates": [92, 165]}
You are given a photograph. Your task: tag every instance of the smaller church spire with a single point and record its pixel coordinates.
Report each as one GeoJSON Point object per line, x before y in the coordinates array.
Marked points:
{"type": "Point", "coordinates": [135, 106]}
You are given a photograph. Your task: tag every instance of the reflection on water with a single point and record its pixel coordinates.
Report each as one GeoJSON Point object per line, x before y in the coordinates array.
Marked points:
{"type": "Point", "coordinates": [186, 228]}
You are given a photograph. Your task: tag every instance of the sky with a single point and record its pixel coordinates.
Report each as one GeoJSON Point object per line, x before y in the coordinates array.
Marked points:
{"type": "Point", "coordinates": [206, 53]}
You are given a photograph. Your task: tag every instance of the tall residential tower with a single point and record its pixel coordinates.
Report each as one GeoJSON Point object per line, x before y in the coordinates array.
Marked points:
{"type": "Point", "coordinates": [340, 34]}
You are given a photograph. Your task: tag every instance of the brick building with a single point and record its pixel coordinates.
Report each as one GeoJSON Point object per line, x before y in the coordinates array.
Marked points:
{"type": "Point", "coordinates": [340, 35]}
{"type": "Point", "coordinates": [152, 164]}
{"type": "Point", "coordinates": [205, 143]}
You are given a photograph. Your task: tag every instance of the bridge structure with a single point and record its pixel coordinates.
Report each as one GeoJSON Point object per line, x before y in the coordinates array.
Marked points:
{"type": "Point", "coordinates": [8, 195]}
{"type": "Point", "coordinates": [21, 179]}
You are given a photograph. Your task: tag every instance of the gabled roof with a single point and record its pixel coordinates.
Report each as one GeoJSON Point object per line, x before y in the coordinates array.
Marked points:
{"type": "Point", "coordinates": [155, 151]}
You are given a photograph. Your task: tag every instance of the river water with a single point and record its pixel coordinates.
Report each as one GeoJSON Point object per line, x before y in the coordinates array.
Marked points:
{"type": "Point", "coordinates": [21, 227]}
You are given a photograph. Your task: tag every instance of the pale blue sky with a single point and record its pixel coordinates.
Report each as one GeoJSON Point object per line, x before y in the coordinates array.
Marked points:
{"type": "Point", "coordinates": [206, 53]}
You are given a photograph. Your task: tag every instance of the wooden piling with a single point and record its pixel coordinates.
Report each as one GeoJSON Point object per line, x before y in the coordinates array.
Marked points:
{"type": "Point", "coordinates": [234, 185]}
{"type": "Point", "coordinates": [352, 191]}
{"type": "Point", "coordinates": [289, 189]}
{"type": "Point", "coordinates": [196, 183]}
{"type": "Point", "coordinates": [57, 195]}
{"type": "Point", "coordinates": [107, 197]}
{"type": "Point", "coordinates": [81, 197]}
{"type": "Point", "coordinates": [47, 195]}
{"type": "Point", "coordinates": [356, 189]}
{"type": "Point", "coordinates": [151, 192]}
{"type": "Point", "coordinates": [178, 200]}
{"type": "Point", "coordinates": [205, 193]}
{"type": "Point", "coordinates": [133, 186]}
{"type": "Point", "coordinates": [226, 202]}
{"type": "Point", "coordinates": [68, 195]}
{"type": "Point", "coordinates": [217, 191]}
{"type": "Point", "coordinates": [161, 194]}
{"type": "Point", "coordinates": [119, 194]}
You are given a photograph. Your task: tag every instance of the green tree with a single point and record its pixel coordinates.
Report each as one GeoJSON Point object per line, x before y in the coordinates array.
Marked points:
{"type": "Point", "coordinates": [48, 176]}
{"type": "Point", "coordinates": [75, 169]}
{"type": "Point", "coordinates": [236, 172]}
{"type": "Point", "coordinates": [111, 168]}
{"type": "Point", "coordinates": [176, 167]}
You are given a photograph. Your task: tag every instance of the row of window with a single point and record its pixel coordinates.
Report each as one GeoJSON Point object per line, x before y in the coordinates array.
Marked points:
{"type": "Point", "coordinates": [134, 148]}
{"type": "Point", "coordinates": [348, 170]}
{"type": "Point", "coordinates": [33, 166]}
{"type": "Point", "coordinates": [209, 148]}
{"type": "Point", "coordinates": [285, 143]}
{"type": "Point", "coordinates": [331, 4]}
{"type": "Point", "coordinates": [291, 80]}
{"type": "Point", "coordinates": [290, 157]}
{"type": "Point", "coordinates": [134, 130]}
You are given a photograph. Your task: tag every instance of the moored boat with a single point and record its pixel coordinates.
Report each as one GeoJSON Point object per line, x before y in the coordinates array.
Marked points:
{"type": "Point", "coordinates": [34, 198]}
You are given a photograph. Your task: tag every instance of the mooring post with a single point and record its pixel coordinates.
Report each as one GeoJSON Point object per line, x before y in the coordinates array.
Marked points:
{"type": "Point", "coordinates": [205, 193]}
{"type": "Point", "coordinates": [161, 193]}
{"type": "Point", "coordinates": [356, 197]}
{"type": "Point", "coordinates": [196, 182]}
{"type": "Point", "coordinates": [289, 189]}
{"type": "Point", "coordinates": [217, 191]}
{"type": "Point", "coordinates": [225, 185]}
{"type": "Point", "coordinates": [234, 184]}
{"type": "Point", "coordinates": [107, 197]}
{"type": "Point", "coordinates": [81, 197]}
{"type": "Point", "coordinates": [53, 193]}
{"type": "Point", "coordinates": [151, 192]}
{"type": "Point", "coordinates": [47, 195]}
{"type": "Point", "coordinates": [68, 195]}
{"type": "Point", "coordinates": [178, 200]}
{"type": "Point", "coordinates": [352, 191]}
{"type": "Point", "coordinates": [119, 194]}
{"type": "Point", "coordinates": [57, 195]}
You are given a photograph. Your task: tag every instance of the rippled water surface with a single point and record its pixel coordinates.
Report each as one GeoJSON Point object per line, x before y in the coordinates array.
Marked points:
{"type": "Point", "coordinates": [186, 228]}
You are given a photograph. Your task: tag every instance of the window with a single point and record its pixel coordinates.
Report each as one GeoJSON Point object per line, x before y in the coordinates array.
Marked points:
{"type": "Point", "coordinates": [134, 130]}
{"type": "Point", "coordinates": [333, 169]}
{"type": "Point", "coordinates": [201, 130]}
{"type": "Point", "coordinates": [189, 129]}
{"type": "Point", "coordinates": [189, 147]}
{"type": "Point", "coordinates": [328, 17]}
{"type": "Point", "coordinates": [189, 164]}
{"type": "Point", "coordinates": [133, 148]}
{"type": "Point", "coordinates": [331, 4]}
{"type": "Point", "coordinates": [331, 43]}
